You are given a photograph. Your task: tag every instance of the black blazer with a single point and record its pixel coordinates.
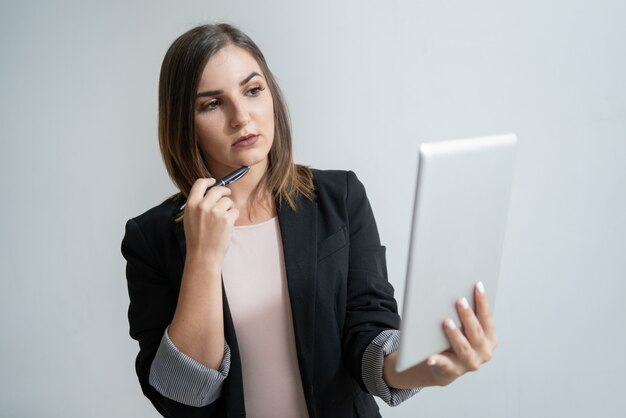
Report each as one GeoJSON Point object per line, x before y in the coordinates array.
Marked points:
{"type": "Point", "coordinates": [337, 280]}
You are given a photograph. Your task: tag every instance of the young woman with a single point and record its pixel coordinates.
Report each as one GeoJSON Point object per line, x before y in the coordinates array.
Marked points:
{"type": "Point", "coordinates": [268, 297]}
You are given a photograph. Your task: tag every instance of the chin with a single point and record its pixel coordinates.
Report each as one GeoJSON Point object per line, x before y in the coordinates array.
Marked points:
{"type": "Point", "coordinates": [258, 163]}
{"type": "Point", "coordinates": [253, 159]}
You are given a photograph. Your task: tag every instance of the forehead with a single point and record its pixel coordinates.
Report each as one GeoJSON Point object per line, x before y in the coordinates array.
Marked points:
{"type": "Point", "coordinates": [229, 65]}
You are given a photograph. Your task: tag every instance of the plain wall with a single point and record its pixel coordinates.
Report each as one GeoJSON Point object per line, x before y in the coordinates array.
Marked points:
{"type": "Point", "coordinates": [366, 83]}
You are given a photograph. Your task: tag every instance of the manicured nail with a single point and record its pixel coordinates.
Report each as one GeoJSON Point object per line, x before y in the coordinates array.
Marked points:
{"type": "Point", "coordinates": [431, 362]}
{"type": "Point", "coordinates": [481, 287]}
{"type": "Point", "coordinates": [450, 324]}
{"type": "Point", "coordinates": [464, 304]}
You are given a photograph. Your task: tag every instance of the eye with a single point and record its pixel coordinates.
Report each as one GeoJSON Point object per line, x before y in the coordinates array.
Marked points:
{"type": "Point", "coordinates": [210, 105]}
{"type": "Point", "coordinates": [254, 91]}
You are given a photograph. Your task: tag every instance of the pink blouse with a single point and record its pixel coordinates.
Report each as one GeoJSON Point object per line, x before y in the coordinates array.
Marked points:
{"type": "Point", "coordinates": [256, 287]}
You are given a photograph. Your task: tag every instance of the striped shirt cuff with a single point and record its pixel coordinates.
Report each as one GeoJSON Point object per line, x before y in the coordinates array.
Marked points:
{"type": "Point", "coordinates": [372, 368]}
{"type": "Point", "coordinates": [177, 376]}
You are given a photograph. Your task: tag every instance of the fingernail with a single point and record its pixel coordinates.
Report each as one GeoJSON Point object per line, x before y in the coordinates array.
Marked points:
{"type": "Point", "coordinates": [450, 324]}
{"type": "Point", "coordinates": [431, 362]}
{"type": "Point", "coordinates": [464, 304]}
{"type": "Point", "coordinates": [481, 288]}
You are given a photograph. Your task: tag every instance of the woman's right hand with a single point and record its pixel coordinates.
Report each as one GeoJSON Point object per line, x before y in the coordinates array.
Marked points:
{"type": "Point", "coordinates": [208, 221]}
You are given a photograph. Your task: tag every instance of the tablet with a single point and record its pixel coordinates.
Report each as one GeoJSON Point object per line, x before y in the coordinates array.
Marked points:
{"type": "Point", "coordinates": [457, 233]}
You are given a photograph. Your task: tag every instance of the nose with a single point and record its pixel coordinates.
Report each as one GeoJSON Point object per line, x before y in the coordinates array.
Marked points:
{"type": "Point", "coordinates": [240, 115]}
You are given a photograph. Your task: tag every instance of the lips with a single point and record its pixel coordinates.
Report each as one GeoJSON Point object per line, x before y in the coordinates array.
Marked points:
{"type": "Point", "coordinates": [246, 140]}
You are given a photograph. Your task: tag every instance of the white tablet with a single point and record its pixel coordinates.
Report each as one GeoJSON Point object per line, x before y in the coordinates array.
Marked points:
{"type": "Point", "coordinates": [457, 233]}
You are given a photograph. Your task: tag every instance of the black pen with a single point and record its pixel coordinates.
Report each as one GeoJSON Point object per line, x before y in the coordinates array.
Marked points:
{"type": "Point", "coordinates": [228, 179]}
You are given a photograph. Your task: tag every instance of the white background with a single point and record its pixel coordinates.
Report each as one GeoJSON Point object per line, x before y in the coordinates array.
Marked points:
{"type": "Point", "coordinates": [366, 83]}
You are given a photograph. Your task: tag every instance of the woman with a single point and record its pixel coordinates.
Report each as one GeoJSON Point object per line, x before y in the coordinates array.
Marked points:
{"type": "Point", "coordinates": [268, 297]}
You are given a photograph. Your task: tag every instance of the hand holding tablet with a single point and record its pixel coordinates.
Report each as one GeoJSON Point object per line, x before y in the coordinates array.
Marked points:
{"type": "Point", "coordinates": [471, 346]}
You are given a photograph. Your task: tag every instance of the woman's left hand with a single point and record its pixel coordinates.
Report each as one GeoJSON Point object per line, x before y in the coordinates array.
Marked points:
{"type": "Point", "coordinates": [470, 347]}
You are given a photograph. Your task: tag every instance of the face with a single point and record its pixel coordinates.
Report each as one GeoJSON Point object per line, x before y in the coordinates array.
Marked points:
{"type": "Point", "coordinates": [234, 112]}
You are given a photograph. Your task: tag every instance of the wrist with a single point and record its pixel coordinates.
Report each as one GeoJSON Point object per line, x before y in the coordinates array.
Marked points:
{"type": "Point", "coordinates": [203, 261]}
{"type": "Point", "coordinates": [419, 375]}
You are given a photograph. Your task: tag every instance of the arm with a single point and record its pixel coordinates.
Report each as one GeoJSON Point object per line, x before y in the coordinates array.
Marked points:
{"type": "Point", "coordinates": [153, 303]}
{"type": "Point", "coordinates": [370, 305]}
{"type": "Point", "coordinates": [374, 359]}
{"type": "Point", "coordinates": [372, 320]}
{"type": "Point", "coordinates": [197, 328]}
{"type": "Point", "coordinates": [179, 377]}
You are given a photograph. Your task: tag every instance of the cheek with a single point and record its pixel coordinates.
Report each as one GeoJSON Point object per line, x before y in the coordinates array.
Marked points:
{"type": "Point", "coordinates": [268, 114]}
{"type": "Point", "coordinates": [270, 110]}
{"type": "Point", "coordinates": [206, 132]}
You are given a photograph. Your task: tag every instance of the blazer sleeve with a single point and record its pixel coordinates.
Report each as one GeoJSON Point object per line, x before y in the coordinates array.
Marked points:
{"type": "Point", "coordinates": [152, 305]}
{"type": "Point", "coordinates": [370, 307]}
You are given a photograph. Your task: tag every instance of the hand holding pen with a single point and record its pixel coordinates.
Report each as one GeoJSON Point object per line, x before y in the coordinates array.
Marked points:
{"type": "Point", "coordinates": [209, 219]}
{"type": "Point", "coordinates": [228, 179]}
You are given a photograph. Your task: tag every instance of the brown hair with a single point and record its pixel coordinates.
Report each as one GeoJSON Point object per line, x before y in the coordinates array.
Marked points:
{"type": "Point", "coordinates": [180, 75]}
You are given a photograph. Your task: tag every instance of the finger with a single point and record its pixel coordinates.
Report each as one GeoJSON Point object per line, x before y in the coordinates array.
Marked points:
{"type": "Point", "coordinates": [446, 366]}
{"type": "Point", "coordinates": [214, 194]}
{"type": "Point", "coordinates": [197, 190]}
{"type": "Point", "coordinates": [472, 328]}
{"type": "Point", "coordinates": [483, 313]}
{"type": "Point", "coordinates": [223, 205]}
{"type": "Point", "coordinates": [215, 206]}
{"type": "Point", "coordinates": [461, 346]}
{"type": "Point", "coordinates": [233, 215]}
{"type": "Point", "coordinates": [213, 186]}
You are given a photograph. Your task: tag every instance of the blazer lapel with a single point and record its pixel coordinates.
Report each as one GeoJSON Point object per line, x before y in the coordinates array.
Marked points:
{"type": "Point", "coordinates": [299, 235]}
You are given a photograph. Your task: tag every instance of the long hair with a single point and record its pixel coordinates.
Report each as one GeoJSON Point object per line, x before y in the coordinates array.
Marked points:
{"type": "Point", "coordinates": [180, 75]}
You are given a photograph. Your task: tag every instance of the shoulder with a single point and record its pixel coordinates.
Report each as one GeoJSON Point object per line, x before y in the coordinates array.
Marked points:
{"type": "Point", "coordinates": [335, 181]}
{"type": "Point", "coordinates": [153, 225]}
{"type": "Point", "coordinates": [329, 177]}
{"type": "Point", "coordinates": [337, 185]}
{"type": "Point", "coordinates": [340, 194]}
{"type": "Point", "coordinates": [162, 213]}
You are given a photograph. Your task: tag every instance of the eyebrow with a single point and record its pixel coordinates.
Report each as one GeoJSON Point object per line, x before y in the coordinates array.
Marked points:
{"type": "Point", "coordinates": [209, 93]}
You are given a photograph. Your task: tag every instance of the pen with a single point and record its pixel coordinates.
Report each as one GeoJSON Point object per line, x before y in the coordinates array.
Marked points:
{"type": "Point", "coordinates": [228, 179]}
